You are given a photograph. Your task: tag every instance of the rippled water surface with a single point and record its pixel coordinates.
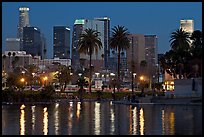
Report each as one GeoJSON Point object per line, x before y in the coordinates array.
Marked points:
{"type": "Point", "coordinates": [101, 118]}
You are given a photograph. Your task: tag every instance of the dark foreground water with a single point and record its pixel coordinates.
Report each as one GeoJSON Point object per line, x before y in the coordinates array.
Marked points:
{"type": "Point", "coordinates": [93, 118]}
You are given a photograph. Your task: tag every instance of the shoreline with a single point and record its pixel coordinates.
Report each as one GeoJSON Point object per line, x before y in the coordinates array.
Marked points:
{"type": "Point", "coordinates": [141, 100]}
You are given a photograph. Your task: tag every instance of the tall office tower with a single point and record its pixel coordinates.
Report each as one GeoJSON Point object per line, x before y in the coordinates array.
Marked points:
{"type": "Point", "coordinates": [23, 22]}
{"type": "Point", "coordinates": [61, 41]}
{"type": "Point", "coordinates": [106, 21]}
{"type": "Point", "coordinates": [151, 44]}
{"type": "Point", "coordinates": [32, 41]}
{"type": "Point", "coordinates": [136, 51]}
{"type": "Point", "coordinates": [77, 31]}
{"type": "Point", "coordinates": [187, 25]}
{"type": "Point", "coordinates": [99, 27]}
{"type": "Point", "coordinates": [97, 58]}
{"type": "Point", "coordinates": [160, 69]}
{"type": "Point", "coordinates": [44, 46]}
{"type": "Point", "coordinates": [12, 44]}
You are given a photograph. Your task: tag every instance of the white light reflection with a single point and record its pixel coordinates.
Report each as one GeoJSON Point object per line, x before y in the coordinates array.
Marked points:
{"type": "Point", "coordinates": [141, 121]}
{"type": "Point", "coordinates": [45, 121]}
{"type": "Point", "coordinates": [70, 115]}
{"type": "Point", "coordinates": [111, 103]}
{"type": "Point", "coordinates": [22, 120]}
{"type": "Point", "coordinates": [112, 118]}
{"type": "Point", "coordinates": [33, 117]}
{"type": "Point", "coordinates": [134, 121]}
{"type": "Point", "coordinates": [97, 118]}
{"type": "Point", "coordinates": [56, 118]}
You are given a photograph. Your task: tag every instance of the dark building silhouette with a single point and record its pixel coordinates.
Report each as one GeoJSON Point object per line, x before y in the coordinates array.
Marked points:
{"type": "Point", "coordinates": [61, 41]}
{"type": "Point", "coordinates": [32, 41]}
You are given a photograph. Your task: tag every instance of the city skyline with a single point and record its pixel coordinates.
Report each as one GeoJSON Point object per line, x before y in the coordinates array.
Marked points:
{"type": "Point", "coordinates": [148, 18]}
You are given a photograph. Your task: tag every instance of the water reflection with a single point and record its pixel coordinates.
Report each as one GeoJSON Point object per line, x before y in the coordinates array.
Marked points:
{"type": "Point", "coordinates": [70, 115]}
{"type": "Point", "coordinates": [168, 122]}
{"type": "Point", "coordinates": [134, 117]}
{"type": "Point", "coordinates": [33, 118]}
{"type": "Point", "coordinates": [22, 120]}
{"type": "Point", "coordinates": [56, 118]}
{"type": "Point", "coordinates": [97, 127]}
{"type": "Point", "coordinates": [45, 121]}
{"type": "Point", "coordinates": [112, 119]}
{"type": "Point", "coordinates": [101, 118]}
{"type": "Point", "coordinates": [141, 121]}
{"type": "Point", "coordinates": [78, 109]}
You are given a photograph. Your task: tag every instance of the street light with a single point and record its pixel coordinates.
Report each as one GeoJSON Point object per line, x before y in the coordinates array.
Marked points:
{"type": "Point", "coordinates": [22, 80]}
{"type": "Point", "coordinates": [79, 74]}
{"type": "Point", "coordinates": [45, 79]}
{"type": "Point", "coordinates": [142, 79]}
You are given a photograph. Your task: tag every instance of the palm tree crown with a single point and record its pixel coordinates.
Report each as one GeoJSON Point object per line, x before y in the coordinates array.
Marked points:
{"type": "Point", "coordinates": [180, 40]}
{"type": "Point", "coordinates": [119, 41]}
{"type": "Point", "coordinates": [88, 43]}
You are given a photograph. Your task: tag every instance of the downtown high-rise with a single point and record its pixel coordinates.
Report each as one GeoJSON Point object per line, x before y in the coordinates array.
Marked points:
{"type": "Point", "coordinates": [32, 41]}
{"type": "Point", "coordinates": [102, 26]}
{"type": "Point", "coordinates": [23, 22]}
{"type": "Point", "coordinates": [61, 41]}
{"type": "Point", "coordinates": [77, 31]}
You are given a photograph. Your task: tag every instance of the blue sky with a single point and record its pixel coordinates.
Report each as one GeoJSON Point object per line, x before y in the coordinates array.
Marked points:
{"type": "Point", "coordinates": [158, 18]}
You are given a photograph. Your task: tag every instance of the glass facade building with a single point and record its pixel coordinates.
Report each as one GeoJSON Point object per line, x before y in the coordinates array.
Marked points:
{"type": "Point", "coordinates": [77, 30]}
{"type": "Point", "coordinates": [61, 41]}
{"type": "Point", "coordinates": [32, 42]}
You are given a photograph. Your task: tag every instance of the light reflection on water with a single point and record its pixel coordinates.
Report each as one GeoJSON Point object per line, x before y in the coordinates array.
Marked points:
{"type": "Point", "coordinates": [96, 118]}
{"type": "Point", "coordinates": [22, 120]}
{"type": "Point", "coordinates": [45, 121]}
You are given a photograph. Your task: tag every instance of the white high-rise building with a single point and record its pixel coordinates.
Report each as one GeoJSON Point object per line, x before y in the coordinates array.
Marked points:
{"type": "Point", "coordinates": [12, 44]}
{"type": "Point", "coordinates": [23, 22]}
{"type": "Point", "coordinates": [187, 25]}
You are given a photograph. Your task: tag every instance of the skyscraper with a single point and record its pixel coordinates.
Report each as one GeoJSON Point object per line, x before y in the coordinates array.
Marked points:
{"type": "Point", "coordinates": [106, 21]}
{"type": "Point", "coordinates": [101, 25]}
{"type": "Point", "coordinates": [32, 41]}
{"type": "Point", "coordinates": [136, 51]}
{"type": "Point", "coordinates": [187, 25]}
{"type": "Point", "coordinates": [77, 30]}
{"type": "Point", "coordinates": [23, 22]}
{"type": "Point", "coordinates": [151, 44]}
{"type": "Point", "coordinates": [12, 44]}
{"type": "Point", "coordinates": [61, 41]}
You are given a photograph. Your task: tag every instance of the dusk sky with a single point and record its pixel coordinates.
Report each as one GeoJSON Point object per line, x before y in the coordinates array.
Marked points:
{"type": "Point", "coordinates": [158, 18]}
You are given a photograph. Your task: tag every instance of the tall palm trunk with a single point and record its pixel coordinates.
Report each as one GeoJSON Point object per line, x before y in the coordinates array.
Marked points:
{"type": "Point", "coordinates": [90, 73]}
{"type": "Point", "coordinates": [118, 68]}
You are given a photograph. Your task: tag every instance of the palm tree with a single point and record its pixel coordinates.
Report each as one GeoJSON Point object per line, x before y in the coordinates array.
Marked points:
{"type": "Point", "coordinates": [119, 41]}
{"type": "Point", "coordinates": [88, 43]}
{"type": "Point", "coordinates": [196, 50]}
{"type": "Point", "coordinates": [64, 76]}
{"type": "Point", "coordinates": [180, 44]}
{"type": "Point", "coordinates": [4, 59]}
{"type": "Point", "coordinates": [9, 54]}
{"type": "Point", "coordinates": [180, 40]}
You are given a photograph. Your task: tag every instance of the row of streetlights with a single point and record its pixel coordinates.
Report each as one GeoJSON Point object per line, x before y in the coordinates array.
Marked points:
{"type": "Point", "coordinates": [45, 78]}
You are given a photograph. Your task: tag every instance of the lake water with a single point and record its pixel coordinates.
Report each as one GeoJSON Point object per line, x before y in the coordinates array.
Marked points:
{"type": "Point", "coordinates": [104, 118]}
